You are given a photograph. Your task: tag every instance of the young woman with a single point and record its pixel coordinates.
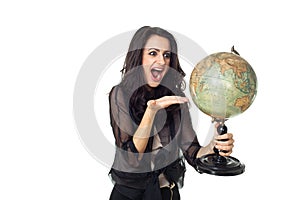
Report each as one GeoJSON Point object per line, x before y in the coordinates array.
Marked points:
{"type": "Point", "coordinates": [151, 121]}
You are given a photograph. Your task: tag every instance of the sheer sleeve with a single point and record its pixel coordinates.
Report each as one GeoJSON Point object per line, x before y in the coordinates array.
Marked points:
{"type": "Point", "coordinates": [123, 128]}
{"type": "Point", "coordinates": [188, 142]}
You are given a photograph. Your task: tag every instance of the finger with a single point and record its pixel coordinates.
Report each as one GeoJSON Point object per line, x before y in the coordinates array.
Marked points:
{"type": "Point", "coordinates": [225, 153]}
{"type": "Point", "coordinates": [226, 136]}
{"type": "Point", "coordinates": [225, 143]}
{"type": "Point", "coordinates": [224, 148]}
{"type": "Point", "coordinates": [169, 100]}
{"type": "Point", "coordinates": [178, 99]}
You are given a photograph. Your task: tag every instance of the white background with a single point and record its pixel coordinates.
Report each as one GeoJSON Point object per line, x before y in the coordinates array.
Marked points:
{"type": "Point", "coordinates": [44, 44]}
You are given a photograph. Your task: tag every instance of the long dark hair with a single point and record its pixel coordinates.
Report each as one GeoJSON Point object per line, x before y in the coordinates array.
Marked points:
{"type": "Point", "coordinates": [133, 81]}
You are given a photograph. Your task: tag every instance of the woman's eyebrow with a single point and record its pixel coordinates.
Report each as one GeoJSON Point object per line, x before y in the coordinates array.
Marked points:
{"type": "Point", "coordinates": [156, 49]}
{"type": "Point", "coordinates": [152, 48]}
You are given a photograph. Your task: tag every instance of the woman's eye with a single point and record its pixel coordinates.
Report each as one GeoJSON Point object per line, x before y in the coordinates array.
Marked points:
{"type": "Point", "coordinates": [152, 53]}
{"type": "Point", "coordinates": [167, 55]}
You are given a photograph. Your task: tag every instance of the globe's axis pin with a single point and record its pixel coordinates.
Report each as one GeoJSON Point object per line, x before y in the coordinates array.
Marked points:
{"type": "Point", "coordinates": [234, 51]}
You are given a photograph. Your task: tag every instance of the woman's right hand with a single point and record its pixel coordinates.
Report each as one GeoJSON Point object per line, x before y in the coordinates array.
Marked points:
{"type": "Point", "coordinates": [165, 102]}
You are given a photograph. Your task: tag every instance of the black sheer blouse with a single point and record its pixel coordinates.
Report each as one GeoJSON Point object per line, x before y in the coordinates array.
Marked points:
{"type": "Point", "coordinates": [177, 138]}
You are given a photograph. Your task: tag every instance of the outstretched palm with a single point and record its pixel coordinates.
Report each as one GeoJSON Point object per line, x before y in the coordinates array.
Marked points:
{"type": "Point", "coordinates": [165, 102]}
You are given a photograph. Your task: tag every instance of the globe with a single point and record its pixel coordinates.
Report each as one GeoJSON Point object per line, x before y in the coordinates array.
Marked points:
{"type": "Point", "coordinates": [223, 85]}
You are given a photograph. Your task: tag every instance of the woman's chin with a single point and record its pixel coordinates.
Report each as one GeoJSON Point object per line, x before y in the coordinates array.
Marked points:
{"type": "Point", "coordinates": [154, 84]}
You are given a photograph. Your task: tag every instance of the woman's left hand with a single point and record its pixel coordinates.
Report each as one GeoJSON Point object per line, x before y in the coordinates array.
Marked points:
{"type": "Point", "coordinates": [224, 143]}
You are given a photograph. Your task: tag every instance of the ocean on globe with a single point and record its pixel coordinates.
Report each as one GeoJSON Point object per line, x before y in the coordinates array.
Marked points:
{"type": "Point", "coordinates": [223, 85]}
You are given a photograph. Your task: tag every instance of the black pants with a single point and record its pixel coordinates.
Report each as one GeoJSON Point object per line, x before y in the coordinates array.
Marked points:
{"type": "Point", "coordinates": [166, 193]}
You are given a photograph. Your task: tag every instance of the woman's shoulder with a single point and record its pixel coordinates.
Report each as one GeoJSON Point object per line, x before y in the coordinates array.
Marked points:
{"type": "Point", "coordinates": [115, 90]}
{"type": "Point", "coordinates": [117, 93]}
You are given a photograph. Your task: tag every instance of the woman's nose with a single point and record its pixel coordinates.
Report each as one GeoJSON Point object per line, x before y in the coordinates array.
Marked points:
{"type": "Point", "coordinates": [161, 59]}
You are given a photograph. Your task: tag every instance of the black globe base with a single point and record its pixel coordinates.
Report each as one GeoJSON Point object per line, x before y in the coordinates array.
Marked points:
{"type": "Point", "coordinates": [219, 165]}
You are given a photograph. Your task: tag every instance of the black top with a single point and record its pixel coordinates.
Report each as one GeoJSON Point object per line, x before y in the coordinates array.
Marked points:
{"type": "Point", "coordinates": [176, 135]}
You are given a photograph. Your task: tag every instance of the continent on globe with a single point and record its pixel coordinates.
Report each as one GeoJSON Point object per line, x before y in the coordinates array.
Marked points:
{"type": "Point", "coordinates": [223, 85]}
{"type": "Point", "coordinates": [243, 103]}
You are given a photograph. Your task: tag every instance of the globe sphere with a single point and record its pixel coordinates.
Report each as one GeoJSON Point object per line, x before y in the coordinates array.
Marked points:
{"type": "Point", "coordinates": [223, 85]}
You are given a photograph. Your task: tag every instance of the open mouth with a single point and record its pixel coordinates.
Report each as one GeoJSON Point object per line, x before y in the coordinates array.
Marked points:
{"type": "Point", "coordinates": [156, 74]}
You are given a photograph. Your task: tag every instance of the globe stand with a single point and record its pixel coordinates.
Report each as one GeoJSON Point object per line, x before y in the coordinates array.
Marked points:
{"type": "Point", "coordinates": [216, 164]}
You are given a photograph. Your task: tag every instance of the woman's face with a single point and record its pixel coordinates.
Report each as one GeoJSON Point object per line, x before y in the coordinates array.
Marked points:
{"type": "Point", "coordinates": [156, 59]}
